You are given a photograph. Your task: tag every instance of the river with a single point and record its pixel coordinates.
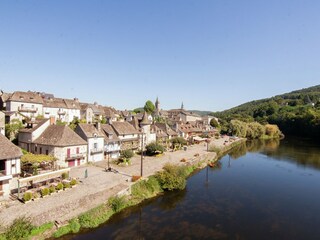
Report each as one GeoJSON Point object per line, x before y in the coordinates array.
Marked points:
{"type": "Point", "coordinates": [260, 190]}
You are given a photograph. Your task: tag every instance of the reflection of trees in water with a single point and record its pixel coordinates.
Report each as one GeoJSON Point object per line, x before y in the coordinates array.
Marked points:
{"type": "Point", "coordinates": [238, 151]}
{"type": "Point", "coordinates": [302, 151]}
{"type": "Point", "coordinates": [171, 199]}
{"type": "Point", "coordinates": [259, 145]}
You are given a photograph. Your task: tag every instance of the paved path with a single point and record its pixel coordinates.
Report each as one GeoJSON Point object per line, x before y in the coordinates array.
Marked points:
{"type": "Point", "coordinates": [97, 187]}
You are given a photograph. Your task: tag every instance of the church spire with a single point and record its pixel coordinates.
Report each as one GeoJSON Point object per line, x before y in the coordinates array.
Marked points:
{"type": "Point", "coordinates": [182, 107]}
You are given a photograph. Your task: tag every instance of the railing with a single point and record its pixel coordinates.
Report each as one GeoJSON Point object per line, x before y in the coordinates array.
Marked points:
{"type": "Point", "coordinates": [27, 109]}
{"type": "Point", "coordinates": [61, 112]}
{"type": "Point", "coordinates": [75, 156]}
{"type": "Point", "coordinates": [96, 150]}
{"type": "Point", "coordinates": [114, 148]}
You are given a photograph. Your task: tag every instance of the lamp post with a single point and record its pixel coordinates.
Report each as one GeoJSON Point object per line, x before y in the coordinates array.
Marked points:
{"type": "Point", "coordinates": [141, 170]}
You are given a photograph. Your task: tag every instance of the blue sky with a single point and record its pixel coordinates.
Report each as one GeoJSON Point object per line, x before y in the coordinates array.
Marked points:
{"type": "Point", "coordinates": [212, 55]}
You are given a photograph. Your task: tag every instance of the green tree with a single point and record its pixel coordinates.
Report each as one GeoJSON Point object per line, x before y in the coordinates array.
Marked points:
{"type": "Point", "coordinates": [149, 107]}
{"type": "Point", "coordinates": [238, 128]}
{"type": "Point", "coordinates": [214, 123]}
{"type": "Point", "coordinates": [154, 148]}
{"type": "Point", "coordinates": [13, 128]}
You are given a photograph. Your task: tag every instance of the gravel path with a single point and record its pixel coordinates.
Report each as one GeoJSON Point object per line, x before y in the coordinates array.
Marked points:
{"type": "Point", "coordinates": [97, 187]}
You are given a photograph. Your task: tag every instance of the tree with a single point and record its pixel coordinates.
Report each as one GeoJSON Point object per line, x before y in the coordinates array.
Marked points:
{"type": "Point", "coordinates": [214, 123]}
{"type": "Point", "coordinates": [149, 107]}
{"type": "Point", "coordinates": [238, 128]}
{"type": "Point", "coordinates": [13, 128]}
{"type": "Point", "coordinates": [154, 148]}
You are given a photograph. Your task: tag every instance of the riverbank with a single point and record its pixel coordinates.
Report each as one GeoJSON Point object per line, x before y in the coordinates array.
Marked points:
{"type": "Point", "coordinates": [101, 185]}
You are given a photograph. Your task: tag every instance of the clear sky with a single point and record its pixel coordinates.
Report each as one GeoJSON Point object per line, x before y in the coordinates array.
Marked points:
{"type": "Point", "coordinates": [212, 55]}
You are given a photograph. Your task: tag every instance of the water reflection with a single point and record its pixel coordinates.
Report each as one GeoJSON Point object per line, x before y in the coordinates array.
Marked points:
{"type": "Point", "coordinates": [259, 197]}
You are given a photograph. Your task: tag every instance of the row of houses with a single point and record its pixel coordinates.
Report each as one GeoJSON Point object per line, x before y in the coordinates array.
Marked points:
{"type": "Point", "coordinates": [21, 105]}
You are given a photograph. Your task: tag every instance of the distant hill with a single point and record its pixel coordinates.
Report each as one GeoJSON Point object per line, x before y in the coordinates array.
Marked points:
{"type": "Point", "coordinates": [201, 113]}
{"type": "Point", "coordinates": [296, 112]}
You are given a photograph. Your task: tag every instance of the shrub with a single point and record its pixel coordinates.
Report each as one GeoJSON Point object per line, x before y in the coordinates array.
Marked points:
{"type": "Point", "coordinates": [126, 154]}
{"type": "Point", "coordinates": [19, 229]}
{"type": "Point", "coordinates": [73, 182]}
{"type": "Point", "coordinates": [117, 203]}
{"type": "Point", "coordinates": [44, 192]}
{"type": "Point", "coordinates": [146, 188]}
{"type": "Point", "coordinates": [172, 177]}
{"type": "Point", "coordinates": [62, 231]}
{"type": "Point", "coordinates": [64, 175]}
{"type": "Point", "coordinates": [27, 196]}
{"type": "Point", "coordinates": [74, 225]}
{"type": "Point", "coordinates": [154, 148]}
{"type": "Point", "coordinates": [41, 229]}
{"type": "Point", "coordinates": [59, 186]}
{"type": "Point", "coordinates": [66, 185]}
{"type": "Point", "coordinates": [94, 217]}
{"type": "Point", "coordinates": [52, 189]}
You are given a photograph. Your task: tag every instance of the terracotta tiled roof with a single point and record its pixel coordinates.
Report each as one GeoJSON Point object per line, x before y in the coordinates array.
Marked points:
{"type": "Point", "coordinates": [108, 130]}
{"type": "Point", "coordinates": [90, 130]}
{"type": "Point", "coordinates": [54, 103]}
{"type": "Point", "coordinates": [28, 97]}
{"type": "Point", "coordinates": [35, 126]}
{"type": "Point", "coordinates": [61, 136]}
{"type": "Point", "coordinates": [165, 128]}
{"type": "Point", "coordinates": [5, 96]}
{"type": "Point", "coordinates": [8, 149]}
{"type": "Point", "coordinates": [124, 128]}
{"type": "Point", "coordinates": [72, 103]}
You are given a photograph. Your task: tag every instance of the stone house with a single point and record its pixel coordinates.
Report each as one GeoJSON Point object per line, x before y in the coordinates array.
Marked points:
{"type": "Point", "coordinates": [112, 144]}
{"type": "Point", "coordinates": [127, 134]}
{"type": "Point", "coordinates": [163, 132]}
{"type": "Point", "coordinates": [95, 139]}
{"type": "Point", "coordinates": [9, 165]}
{"type": "Point", "coordinates": [64, 144]}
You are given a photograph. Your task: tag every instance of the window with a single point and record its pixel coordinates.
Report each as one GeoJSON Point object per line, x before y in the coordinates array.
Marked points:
{"type": "Point", "coordinates": [47, 152]}
{"type": "Point", "coordinates": [35, 148]}
{"type": "Point", "coordinates": [40, 150]}
{"type": "Point", "coordinates": [95, 145]}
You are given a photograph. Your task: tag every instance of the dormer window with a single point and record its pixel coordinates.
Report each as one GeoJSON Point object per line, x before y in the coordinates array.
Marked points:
{"type": "Point", "coordinates": [31, 98]}
{"type": "Point", "coordinates": [21, 97]}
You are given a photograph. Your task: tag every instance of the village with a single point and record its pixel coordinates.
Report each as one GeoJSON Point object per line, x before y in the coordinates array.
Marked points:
{"type": "Point", "coordinates": [67, 138]}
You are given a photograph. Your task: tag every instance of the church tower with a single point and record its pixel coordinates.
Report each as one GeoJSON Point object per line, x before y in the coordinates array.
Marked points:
{"type": "Point", "coordinates": [182, 107]}
{"type": "Point", "coordinates": [157, 105]}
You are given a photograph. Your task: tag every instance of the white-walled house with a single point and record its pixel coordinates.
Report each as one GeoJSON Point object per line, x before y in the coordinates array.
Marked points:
{"type": "Point", "coordinates": [31, 132]}
{"type": "Point", "coordinates": [9, 165]}
{"type": "Point", "coordinates": [112, 143]}
{"type": "Point", "coordinates": [95, 140]}
{"type": "Point", "coordinates": [30, 104]}
{"type": "Point", "coordinates": [62, 143]}
{"type": "Point", "coordinates": [2, 123]}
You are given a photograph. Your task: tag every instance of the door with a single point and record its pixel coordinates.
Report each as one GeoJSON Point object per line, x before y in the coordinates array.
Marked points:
{"type": "Point", "coordinates": [78, 163]}
{"type": "Point", "coordinates": [71, 163]}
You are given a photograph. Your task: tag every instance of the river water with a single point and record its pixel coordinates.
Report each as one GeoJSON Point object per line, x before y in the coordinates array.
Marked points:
{"type": "Point", "coordinates": [260, 190]}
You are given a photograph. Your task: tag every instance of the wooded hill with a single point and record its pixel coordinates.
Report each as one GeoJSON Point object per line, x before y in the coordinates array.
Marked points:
{"type": "Point", "coordinates": [296, 113]}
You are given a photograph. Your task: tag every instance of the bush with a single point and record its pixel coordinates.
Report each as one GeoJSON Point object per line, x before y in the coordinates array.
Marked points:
{"type": "Point", "coordinates": [94, 217]}
{"type": "Point", "coordinates": [117, 203]}
{"type": "Point", "coordinates": [64, 175]}
{"type": "Point", "coordinates": [74, 225]}
{"type": "Point", "coordinates": [126, 154]}
{"type": "Point", "coordinates": [66, 185]}
{"type": "Point", "coordinates": [73, 182]}
{"type": "Point", "coordinates": [52, 189]}
{"type": "Point", "coordinates": [19, 229]}
{"type": "Point", "coordinates": [154, 148]}
{"type": "Point", "coordinates": [178, 142]}
{"type": "Point", "coordinates": [146, 188]}
{"type": "Point", "coordinates": [27, 196]}
{"type": "Point", "coordinates": [44, 192]}
{"type": "Point", "coordinates": [172, 177]}
{"type": "Point", "coordinates": [41, 229]}
{"type": "Point", "coordinates": [62, 231]}
{"type": "Point", "coordinates": [59, 186]}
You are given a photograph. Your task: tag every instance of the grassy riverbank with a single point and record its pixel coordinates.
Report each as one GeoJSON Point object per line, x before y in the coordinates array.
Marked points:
{"type": "Point", "coordinates": [171, 178]}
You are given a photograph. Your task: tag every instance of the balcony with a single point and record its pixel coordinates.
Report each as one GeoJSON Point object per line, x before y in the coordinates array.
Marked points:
{"type": "Point", "coordinates": [27, 109]}
{"type": "Point", "coordinates": [61, 112]}
{"type": "Point", "coordinates": [4, 176]}
{"type": "Point", "coordinates": [96, 151]}
{"type": "Point", "coordinates": [75, 156]}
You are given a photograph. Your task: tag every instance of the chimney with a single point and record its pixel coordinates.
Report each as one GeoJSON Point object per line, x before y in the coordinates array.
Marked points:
{"type": "Point", "coordinates": [98, 126]}
{"type": "Point", "coordinates": [52, 121]}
